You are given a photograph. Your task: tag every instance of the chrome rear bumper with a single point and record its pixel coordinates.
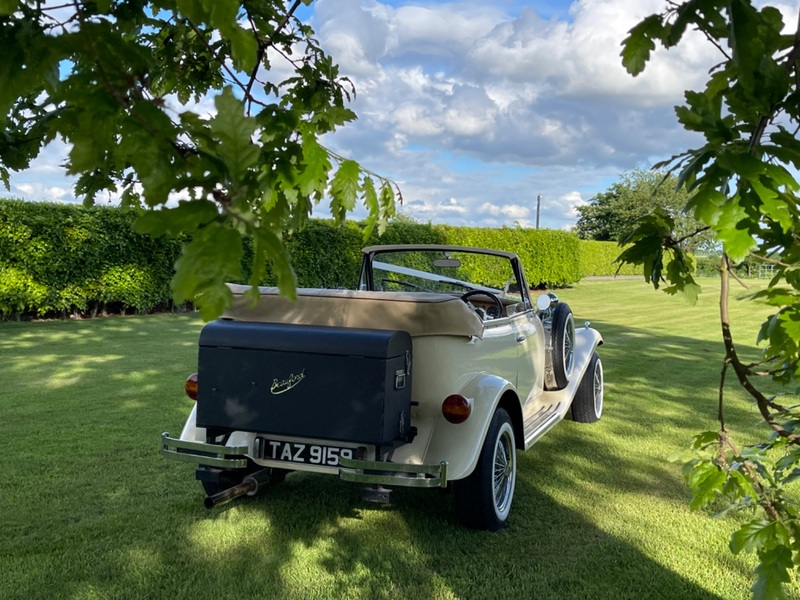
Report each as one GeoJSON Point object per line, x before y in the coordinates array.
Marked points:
{"type": "Point", "coordinates": [385, 473]}
{"type": "Point", "coordinates": [369, 472]}
{"type": "Point", "coordinates": [201, 453]}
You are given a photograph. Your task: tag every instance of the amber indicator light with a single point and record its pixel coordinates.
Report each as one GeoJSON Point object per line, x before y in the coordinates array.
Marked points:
{"type": "Point", "coordinates": [191, 386]}
{"type": "Point", "coordinates": [456, 409]}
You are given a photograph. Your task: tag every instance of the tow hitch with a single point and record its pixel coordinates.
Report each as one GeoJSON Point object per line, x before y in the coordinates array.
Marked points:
{"type": "Point", "coordinates": [377, 494]}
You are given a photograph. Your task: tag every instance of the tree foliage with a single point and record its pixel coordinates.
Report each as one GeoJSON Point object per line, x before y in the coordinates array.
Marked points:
{"type": "Point", "coordinates": [612, 215]}
{"type": "Point", "coordinates": [123, 82]}
{"type": "Point", "coordinates": [743, 186]}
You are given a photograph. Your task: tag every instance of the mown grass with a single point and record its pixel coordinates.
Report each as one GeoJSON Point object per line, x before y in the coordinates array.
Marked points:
{"type": "Point", "coordinates": [89, 509]}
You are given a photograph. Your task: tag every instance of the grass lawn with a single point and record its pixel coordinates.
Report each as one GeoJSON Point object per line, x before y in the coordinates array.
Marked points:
{"type": "Point", "coordinates": [89, 509]}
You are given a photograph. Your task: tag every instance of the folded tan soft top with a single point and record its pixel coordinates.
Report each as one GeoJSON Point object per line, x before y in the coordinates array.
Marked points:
{"type": "Point", "coordinates": [419, 314]}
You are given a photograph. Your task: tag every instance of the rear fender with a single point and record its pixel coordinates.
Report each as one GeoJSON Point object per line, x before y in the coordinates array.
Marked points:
{"type": "Point", "coordinates": [461, 444]}
{"type": "Point", "coordinates": [192, 433]}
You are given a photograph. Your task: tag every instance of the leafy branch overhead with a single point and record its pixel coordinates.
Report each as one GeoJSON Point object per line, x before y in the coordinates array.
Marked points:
{"type": "Point", "coordinates": [743, 188]}
{"type": "Point", "coordinates": [125, 85]}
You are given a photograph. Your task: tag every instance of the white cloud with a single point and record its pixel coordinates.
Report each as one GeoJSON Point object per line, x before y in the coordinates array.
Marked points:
{"type": "Point", "coordinates": [513, 211]}
{"type": "Point", "coordinates": [204, 107]}
{"type": "Point", "coordinates": [443, 30]}
{"type": "Point", "coordinates": [451, 205]}
{"type": "Point", "coordinates": [581, 58]}
{"type": "Point", "coordinates": [38, 192]}
{"type": "Point", "coordinates": [413, 119]}
{"type": "Point", "coordinates": [566, 205]}
{"type": "Point", "coordinates": [56, 193]}
{"type": "Point", "coordinates": [443, 85]}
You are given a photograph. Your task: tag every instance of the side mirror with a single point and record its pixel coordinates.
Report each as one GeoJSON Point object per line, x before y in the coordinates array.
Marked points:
{"type": "Point", "coordinates": [546, 301]}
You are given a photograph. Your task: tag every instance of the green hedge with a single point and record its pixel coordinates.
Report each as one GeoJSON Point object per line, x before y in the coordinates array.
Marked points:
{"type": "Point", "coordinates": [328, 256]}
{"type": "Point", "coordinates": [58, 258]}
{"type": "Point", "coordinates": [551, 258]}
{"type": "Point", "coordinates": [709, 266]}
{"type": "Point", "coordinates": [62, 259]}
{"type": "Point", "coordinates": [597, 258]}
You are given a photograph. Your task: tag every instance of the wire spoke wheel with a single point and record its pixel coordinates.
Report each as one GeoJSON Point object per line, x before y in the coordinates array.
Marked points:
{"type": "Point", "coordinates": [587, 406]}
{"type": "Point", "coordinates": [483, 499]}
{"type": "Point", "coordinates": [503, 468]}
{"type": "Point", "coordinates": [569, 345]}
{"type": "Point", "coordinates": [598, 389]}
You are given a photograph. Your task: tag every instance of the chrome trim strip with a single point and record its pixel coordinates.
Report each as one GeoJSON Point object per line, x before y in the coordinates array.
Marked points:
{"type": "Point", "coordinates": [384, 473]}
{"type": "Point", "coordinates": [201, 453]}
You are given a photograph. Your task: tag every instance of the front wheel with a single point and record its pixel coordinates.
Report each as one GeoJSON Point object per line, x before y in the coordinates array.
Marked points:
{"type": "Point", "coordinates": [587, 407]}
{"type": "Point", "coordinates": [483, 499]}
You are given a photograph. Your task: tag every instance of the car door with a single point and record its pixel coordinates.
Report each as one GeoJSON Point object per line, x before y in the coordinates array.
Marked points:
{"type": "Point", "coordinates": [529, 338]}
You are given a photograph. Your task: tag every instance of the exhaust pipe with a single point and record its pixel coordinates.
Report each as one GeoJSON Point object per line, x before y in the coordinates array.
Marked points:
{"type": "Point", "coordinates": [248, 487]}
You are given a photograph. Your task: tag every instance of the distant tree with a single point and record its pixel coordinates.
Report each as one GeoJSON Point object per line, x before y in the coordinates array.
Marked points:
{"type": "Point", "coordinates": [613, 214]}
{"type": "Point", "coordinates": [119, 81]}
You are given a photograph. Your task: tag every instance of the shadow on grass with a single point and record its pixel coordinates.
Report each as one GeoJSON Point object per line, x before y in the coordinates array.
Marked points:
{"type": "Point", "coordinates": [309, 538]}
{"type": "Point", "coordinates": [270, 548]}
{"type": "Point", "coordinates": [81, 352]}
{"type": "Point", "coordinates": [99, 369]}
{"type": "Point", "coordinates": [679, 377]}
{"type": "Point", "coordinates": [547, 551]}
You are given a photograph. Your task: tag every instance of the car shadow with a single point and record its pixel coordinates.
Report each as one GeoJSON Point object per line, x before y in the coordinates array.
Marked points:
{"type": "Point", "coordinates": [415, 548]}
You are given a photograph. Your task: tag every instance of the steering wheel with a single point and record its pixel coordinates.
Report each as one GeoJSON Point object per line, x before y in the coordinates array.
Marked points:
{"type": "Point", "coordinates": [490, 295]}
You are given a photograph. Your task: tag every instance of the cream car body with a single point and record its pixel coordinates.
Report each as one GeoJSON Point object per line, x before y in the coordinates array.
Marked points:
{"type": "Point", "coordinates": [493, 352]}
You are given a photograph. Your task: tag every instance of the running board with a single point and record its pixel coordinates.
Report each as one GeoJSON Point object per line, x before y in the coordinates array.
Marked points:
{"type": "Point", "coordinates": [542, 427]}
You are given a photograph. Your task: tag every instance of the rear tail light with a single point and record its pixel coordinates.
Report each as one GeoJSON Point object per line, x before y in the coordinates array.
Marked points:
{"type": "Point", "coordinates": [191, 386]}
{"type": "Point", "coordinates": [456, 408]}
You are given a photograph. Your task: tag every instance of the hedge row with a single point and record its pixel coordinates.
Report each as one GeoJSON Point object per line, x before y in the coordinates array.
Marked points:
{"type": "Point", "coordinates": [61, 259]}
{"type": "Point", "coordinates": [597, 258]}
{"type": "Point", "coordinates": [329, 256]}
{"type": "Point", "coordinates": [57, 258]}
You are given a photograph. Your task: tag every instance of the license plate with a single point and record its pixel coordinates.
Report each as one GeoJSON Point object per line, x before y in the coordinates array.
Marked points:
{"type": "Point", "coordinates": [299, 452]}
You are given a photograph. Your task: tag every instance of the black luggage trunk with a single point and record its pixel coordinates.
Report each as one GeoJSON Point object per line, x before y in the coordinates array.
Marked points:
{"type": "Point", "coordinates": [332, 383]}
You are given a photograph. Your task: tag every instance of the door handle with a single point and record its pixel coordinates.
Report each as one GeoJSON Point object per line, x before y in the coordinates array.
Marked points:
{"type": "Point", "coordinates": [520, 338]}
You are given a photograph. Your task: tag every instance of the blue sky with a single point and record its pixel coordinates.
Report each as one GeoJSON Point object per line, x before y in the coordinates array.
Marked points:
{"type": "Point", "coordinates": [475, 108]}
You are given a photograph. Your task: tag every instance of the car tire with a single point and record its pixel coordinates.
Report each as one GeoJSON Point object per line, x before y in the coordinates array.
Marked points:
{"type": "Point", "coordinates": [587, 406]}
{"type": "Point", "coordinates": [563, 332]}
{"type": "Point", "coordinates": [483, 499]}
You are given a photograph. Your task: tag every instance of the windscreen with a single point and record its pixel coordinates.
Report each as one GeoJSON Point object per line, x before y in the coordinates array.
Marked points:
{"type": "Point", "coordinates": [444, 272]}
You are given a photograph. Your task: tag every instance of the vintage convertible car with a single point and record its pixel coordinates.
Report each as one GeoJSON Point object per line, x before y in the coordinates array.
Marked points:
{"type": "Point", "coordinates": [433, 373]}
